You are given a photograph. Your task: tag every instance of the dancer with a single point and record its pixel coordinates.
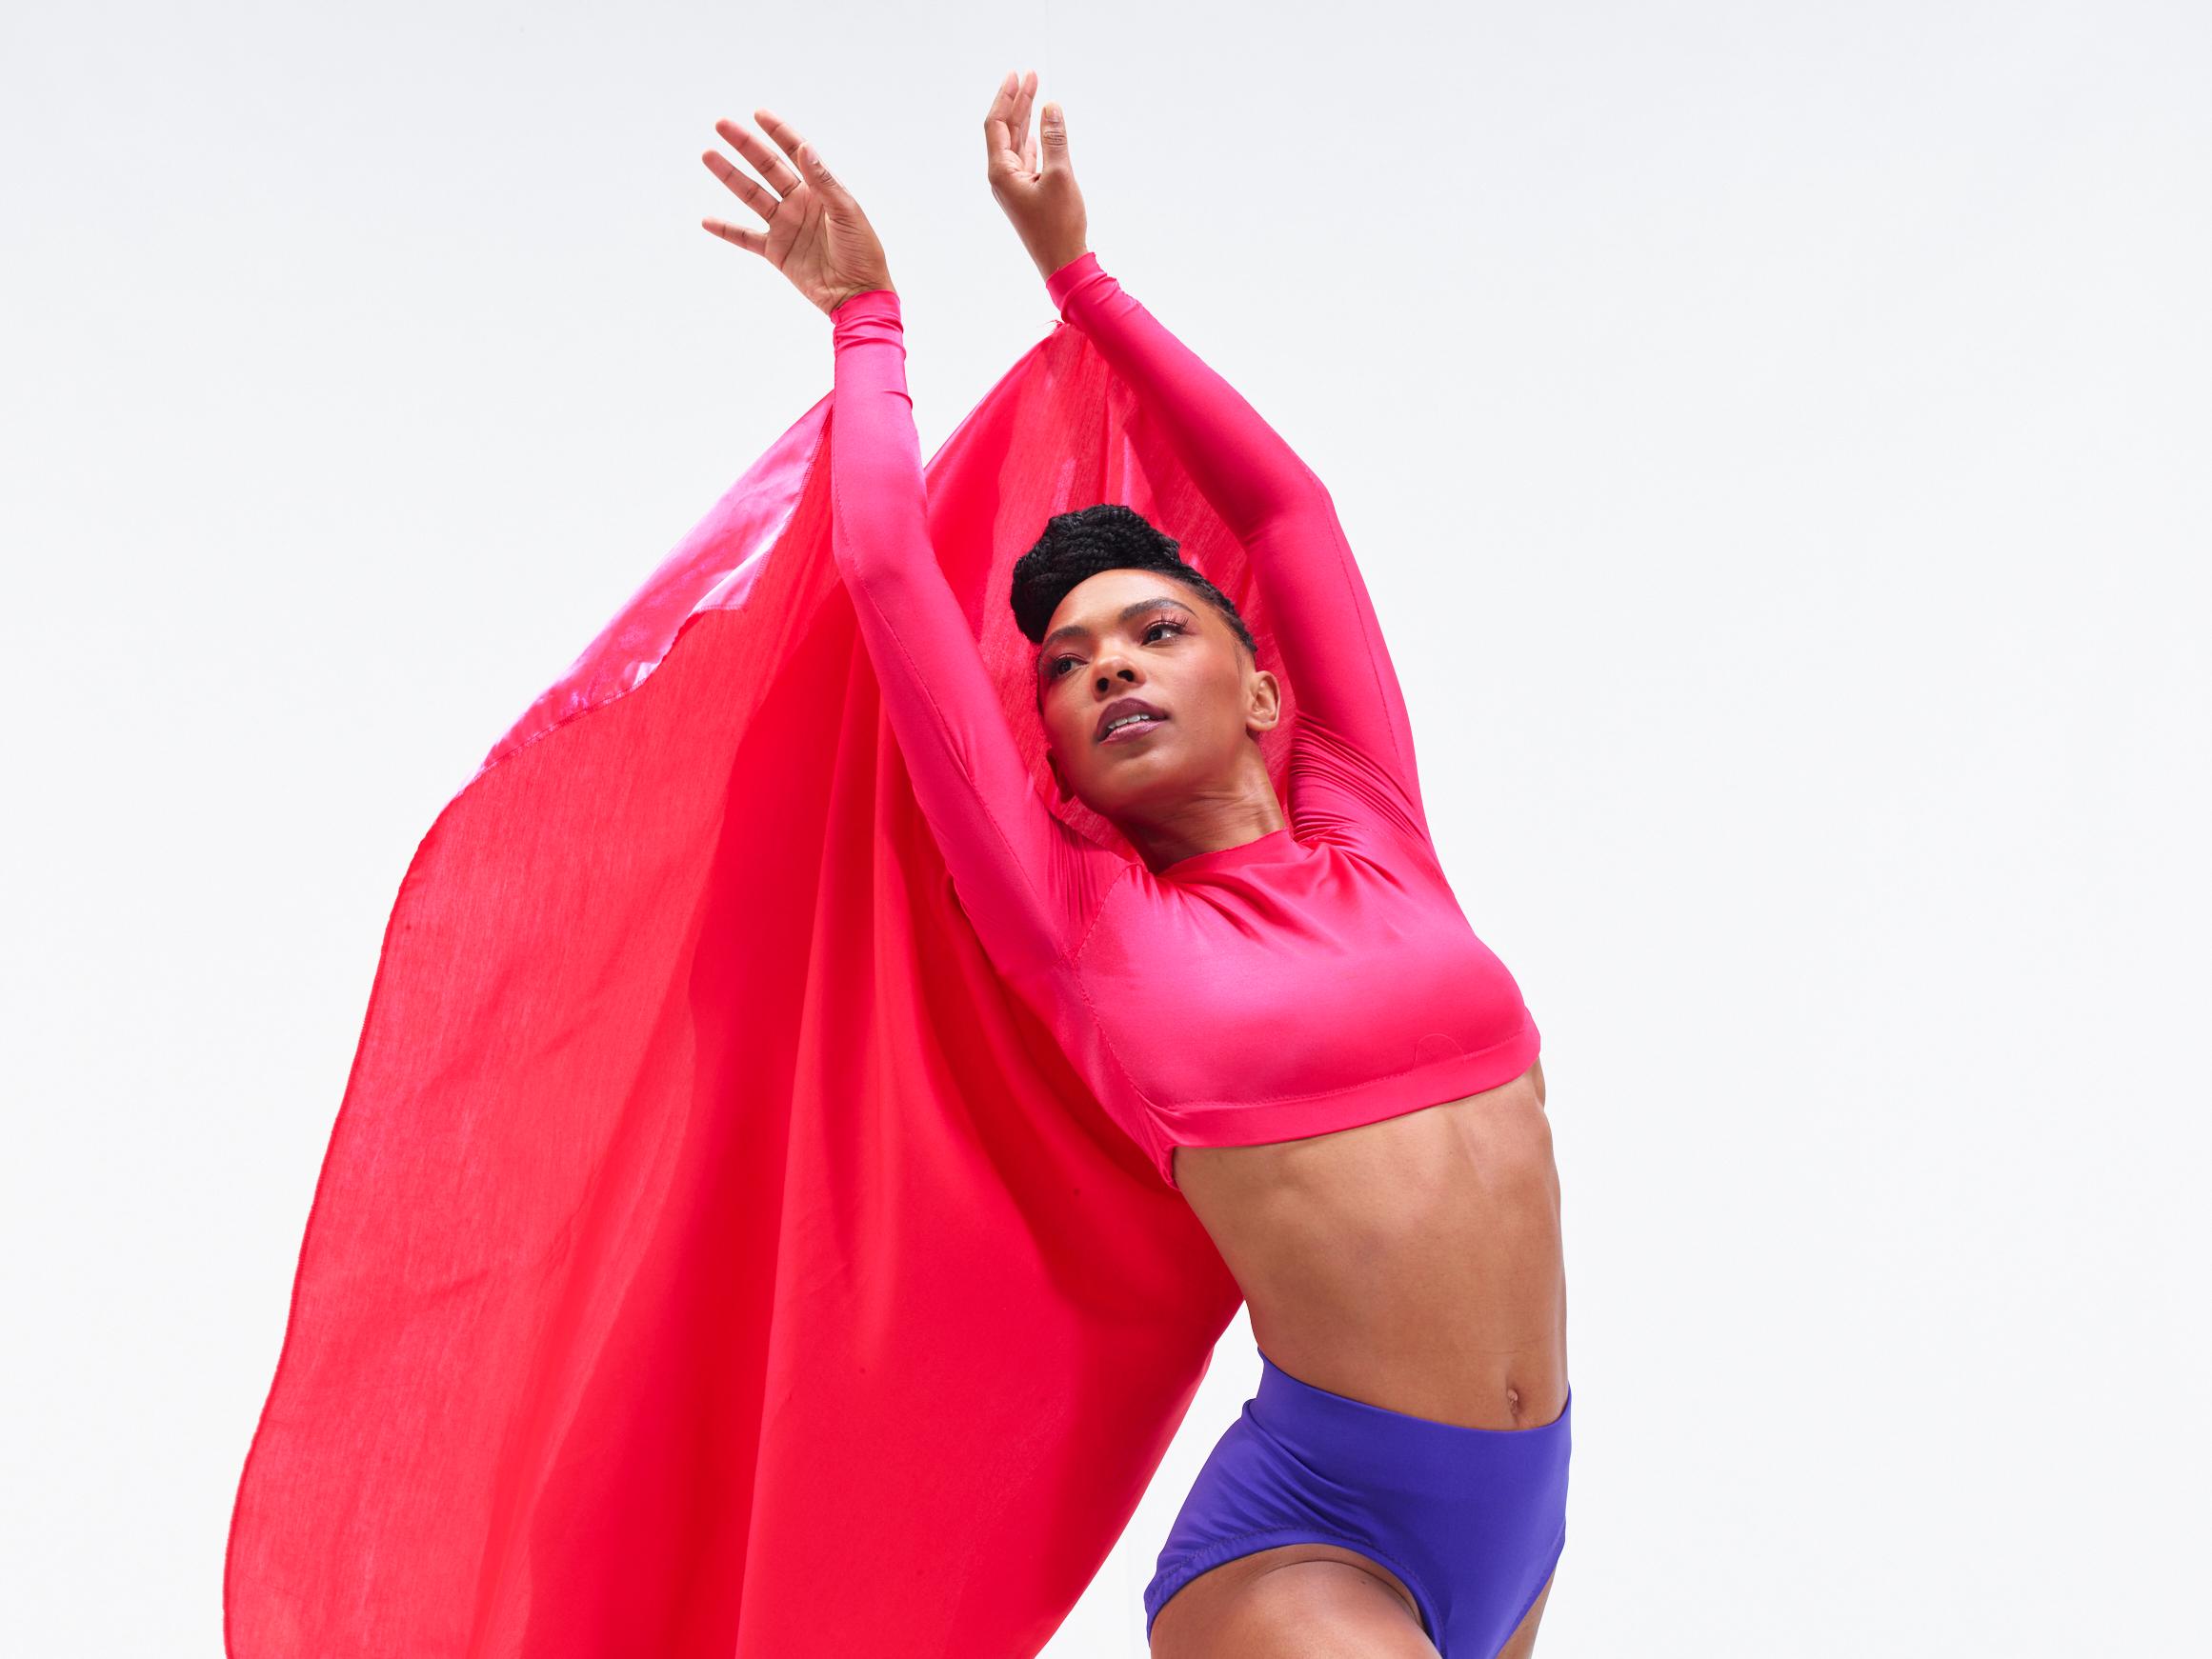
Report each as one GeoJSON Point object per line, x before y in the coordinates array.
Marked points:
{"type": "Point", "coordinates": [1287, 1012]}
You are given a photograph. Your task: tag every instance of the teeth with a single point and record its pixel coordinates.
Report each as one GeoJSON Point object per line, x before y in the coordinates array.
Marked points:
{"type": "Point", "coordinates": [1117, 724]}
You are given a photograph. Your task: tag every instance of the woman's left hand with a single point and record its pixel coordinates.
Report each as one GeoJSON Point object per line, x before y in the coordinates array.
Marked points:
{"type": "Point", "coordinates": [816, 235]}
{"type": "Point", "coordinates": [1032, 179]}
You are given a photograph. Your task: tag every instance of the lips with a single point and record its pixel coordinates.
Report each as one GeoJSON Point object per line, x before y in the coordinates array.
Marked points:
{"type": "Point", "coordinates": [1122, 706]}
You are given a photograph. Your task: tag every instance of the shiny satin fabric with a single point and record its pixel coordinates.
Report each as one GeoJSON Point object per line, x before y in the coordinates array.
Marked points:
{"type": "Point", "coordinates": [712, 1255]}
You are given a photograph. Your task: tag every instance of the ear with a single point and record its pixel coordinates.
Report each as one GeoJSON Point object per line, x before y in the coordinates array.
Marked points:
{"type": "Point", "coordinates": [1262, 702]}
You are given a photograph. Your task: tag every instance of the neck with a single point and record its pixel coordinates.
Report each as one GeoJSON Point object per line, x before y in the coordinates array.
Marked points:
{"type": "Point", "coordinates": [1204, 826]}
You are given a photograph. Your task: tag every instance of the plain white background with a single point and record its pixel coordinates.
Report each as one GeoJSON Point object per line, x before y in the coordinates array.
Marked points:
{"type": "Point", "coordinates": [1778, 440]}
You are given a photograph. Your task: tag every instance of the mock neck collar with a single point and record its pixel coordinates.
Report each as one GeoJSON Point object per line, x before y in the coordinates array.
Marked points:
{"type": "Point", "coordinates": [1222, 857]}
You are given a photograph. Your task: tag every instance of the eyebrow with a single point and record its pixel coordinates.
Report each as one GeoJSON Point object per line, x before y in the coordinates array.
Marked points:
{"type": "Point", "coordinates": [1160, 602]}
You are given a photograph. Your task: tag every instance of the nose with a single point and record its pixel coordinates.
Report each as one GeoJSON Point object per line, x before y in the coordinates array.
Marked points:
{"type": "Point", "coordinates": [1115, 666]}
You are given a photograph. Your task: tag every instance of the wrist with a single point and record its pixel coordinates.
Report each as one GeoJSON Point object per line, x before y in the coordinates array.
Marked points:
{"type": "Point", "coordinates": [855, 292]}
{"type": "Point", "coordinates": [1053, 259]}
{"type": "Point", "coordinates": [1063, 281]}
{"type": "Point", "coordinates": [871, 317]}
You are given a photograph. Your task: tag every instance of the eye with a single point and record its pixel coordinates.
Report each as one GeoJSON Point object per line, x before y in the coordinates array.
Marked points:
{"type": "Point", "coordinates": [1054, 670]}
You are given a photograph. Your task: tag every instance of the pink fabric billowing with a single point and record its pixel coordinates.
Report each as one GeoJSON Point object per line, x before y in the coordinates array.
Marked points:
{"type": "Point", "coordinates": [712, 1255]}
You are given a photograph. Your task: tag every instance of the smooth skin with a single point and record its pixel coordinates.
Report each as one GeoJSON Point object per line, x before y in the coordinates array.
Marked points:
{"type": "Point", "coordinates": [1415, 1263]}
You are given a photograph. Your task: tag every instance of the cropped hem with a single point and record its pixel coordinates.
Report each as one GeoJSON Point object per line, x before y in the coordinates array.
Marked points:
{"type": "Point", "coordinates": [1260, 1123]}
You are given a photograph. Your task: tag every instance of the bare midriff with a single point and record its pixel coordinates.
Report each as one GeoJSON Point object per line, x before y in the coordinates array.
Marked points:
{"type": "Point", "coordinates": [1413, 1263]}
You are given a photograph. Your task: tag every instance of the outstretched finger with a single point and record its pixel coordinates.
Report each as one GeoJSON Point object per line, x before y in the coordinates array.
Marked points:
{"type": "Point", "coordinates": [764, 159]}
{"type": "Point", "coordinates": [751, 240]}
{"type": "Point", "coordinates": [1024, 100]}
{"type": "Point", "coordinates": [741, 183]}
{"type": "Point", "coordinates": [810, 159]}
{"type": "Point", "coordinates": [997, 134]}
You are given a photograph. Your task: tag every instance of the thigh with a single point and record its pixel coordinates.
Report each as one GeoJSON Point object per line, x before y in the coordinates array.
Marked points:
{"type": "Point", "coordinates": [1296, 1601]}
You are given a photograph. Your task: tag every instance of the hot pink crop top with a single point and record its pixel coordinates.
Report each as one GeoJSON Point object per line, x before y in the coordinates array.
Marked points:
{"type": "Point", "coordinates": [1318, 977]}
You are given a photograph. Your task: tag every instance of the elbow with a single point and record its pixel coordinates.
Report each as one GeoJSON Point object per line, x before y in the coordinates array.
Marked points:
{"type": "Point", "coordinates": [886, 574]}
{"type": "Point", "coordinates": [1315, 492]}
{"type": "Point", "coordinates": [1301, 506]}
{"type": "Point", "coordinates": [1296, 493]}
{"type": "Point", "coordinates": [862, 574]}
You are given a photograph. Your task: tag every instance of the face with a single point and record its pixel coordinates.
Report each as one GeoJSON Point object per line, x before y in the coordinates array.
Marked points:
{"type": "Point", "coordinates": [1136, 635]}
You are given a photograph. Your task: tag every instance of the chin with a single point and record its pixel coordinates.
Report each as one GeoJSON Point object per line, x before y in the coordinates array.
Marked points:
{"type": "Point", "coordinates": [1124, 802]}
{"type": "Point", "coordinates": [1116, 787]}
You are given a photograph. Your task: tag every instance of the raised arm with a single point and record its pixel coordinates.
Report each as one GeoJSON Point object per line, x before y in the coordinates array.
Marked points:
{"type": "Point", "coordinates": [1351, 710]}
{"type": "Point", "coordinates": [1318, 603]}
{"type": "Point", "coordinates": [1021, 874]}
{"type": "Point", "coordinates": [1018, 871]}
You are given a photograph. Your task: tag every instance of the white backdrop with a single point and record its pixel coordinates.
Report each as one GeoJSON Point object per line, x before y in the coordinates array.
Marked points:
{"type": "Point", "coordinates": [1778, 440]}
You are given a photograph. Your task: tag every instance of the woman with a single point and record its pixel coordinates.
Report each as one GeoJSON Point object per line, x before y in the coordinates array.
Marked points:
{"type": "Point", "coordinates": [1289, 1013]}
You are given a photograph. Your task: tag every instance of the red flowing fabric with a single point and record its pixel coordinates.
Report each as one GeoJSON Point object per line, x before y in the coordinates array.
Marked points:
{"type": "Point", "coordinates": [712, 1255]}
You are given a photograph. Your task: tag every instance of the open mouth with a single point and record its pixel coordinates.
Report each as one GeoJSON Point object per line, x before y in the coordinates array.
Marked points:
{"type": "Point", "coordinates": [1132, 726]}
{"type": "Point", "coordinates": [1128, 717]}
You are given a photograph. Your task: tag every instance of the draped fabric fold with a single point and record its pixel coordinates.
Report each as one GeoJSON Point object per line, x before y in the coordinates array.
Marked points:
{"type": "Point", "coordinates": [713, 1255]}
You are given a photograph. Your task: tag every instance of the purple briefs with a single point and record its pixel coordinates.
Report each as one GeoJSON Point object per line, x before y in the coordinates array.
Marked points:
{"type": "Point", "coordinates": [1473, 1520]}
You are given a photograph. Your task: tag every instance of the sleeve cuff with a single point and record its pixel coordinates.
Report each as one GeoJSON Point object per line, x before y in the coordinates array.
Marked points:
{"type": "Point", "coordinates": [871, 314]}
{"type": "Point", "coordinates": [1063, 282]}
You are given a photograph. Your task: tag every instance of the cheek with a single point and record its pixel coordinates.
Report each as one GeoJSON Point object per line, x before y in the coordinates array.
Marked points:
{"type": "Point", "coordinates": [1063, 726]}
{"type": "Point", "coordinates": [1219, 693]}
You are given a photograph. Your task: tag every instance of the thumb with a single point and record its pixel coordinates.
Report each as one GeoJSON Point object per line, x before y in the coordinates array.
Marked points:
{"type": "Point", "coordinates": [1054, 130]}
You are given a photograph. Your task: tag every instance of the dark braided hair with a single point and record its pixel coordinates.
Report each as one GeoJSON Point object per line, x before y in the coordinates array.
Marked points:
{"type": "Point", "coordinates": [1076, 545]}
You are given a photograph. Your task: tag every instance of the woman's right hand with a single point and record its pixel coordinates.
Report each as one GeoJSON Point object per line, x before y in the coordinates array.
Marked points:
{"type": "Point", "coordinates": [817, 233]}
{"type": "Point", "coordinates": [1034, 183]}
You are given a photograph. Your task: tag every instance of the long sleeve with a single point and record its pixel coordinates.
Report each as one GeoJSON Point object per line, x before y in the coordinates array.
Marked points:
{"type": "Point", "coordinates": [1357, 740]}
{"type": "Point", "coordinates": [1021, 875]}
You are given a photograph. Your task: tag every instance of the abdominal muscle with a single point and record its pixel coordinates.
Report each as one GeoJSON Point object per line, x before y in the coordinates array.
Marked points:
{"type": "Point", "coordinates": [1413, 1263]}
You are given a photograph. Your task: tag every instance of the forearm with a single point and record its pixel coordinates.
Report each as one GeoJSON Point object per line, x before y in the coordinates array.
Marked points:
{"type": "Point", "coordinates": [879, 505]}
